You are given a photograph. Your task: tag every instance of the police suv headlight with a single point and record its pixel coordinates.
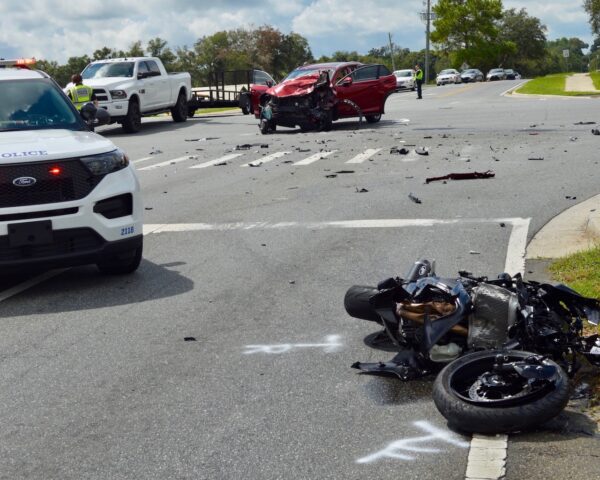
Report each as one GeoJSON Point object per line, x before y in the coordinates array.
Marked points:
{"type": "Point", "coordinates": [118, 94]}
{"type": "Point", "coordinates": [105, 163]}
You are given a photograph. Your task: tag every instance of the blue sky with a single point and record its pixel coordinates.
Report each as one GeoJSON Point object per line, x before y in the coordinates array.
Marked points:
{"type": "Point", "coordinates": [55, 30]}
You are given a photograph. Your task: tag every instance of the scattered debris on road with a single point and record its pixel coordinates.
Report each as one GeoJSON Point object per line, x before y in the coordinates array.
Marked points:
{"type": "Point", "coordinates": [189, 339]}
{"type": "Point", "coordinates": [569, 197]}
{"type": "Point", "coordinates": [362, 190]}
{"type": "Point", "coordinates": [220, 164]}
{"type": "Point", "coordinates": [399, 151]}
{"type": "Point", "coordinates": [535, 158]}
{"type": "Point", "coordinates": [155, 151]}
{"type": "Point", "coordinates": [595, 131]}
{"type": "Point", "coordinates": [421, 151]}
{"type": "Point", "coordinates": [585, 123]}
{"type": "Point", "coordinates": [462, 176]}
{"type": "Point", "coordinates": [345, 171]}
{"type": "Point", "coordinates": [414, 198]}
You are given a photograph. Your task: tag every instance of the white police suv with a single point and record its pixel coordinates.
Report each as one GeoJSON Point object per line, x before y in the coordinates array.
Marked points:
{"type": "Point", "coordinates": [67, 195]}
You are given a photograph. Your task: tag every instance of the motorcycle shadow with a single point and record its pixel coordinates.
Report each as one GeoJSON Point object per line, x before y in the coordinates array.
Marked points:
{"type": "Point", "coordinates": [388, 389]}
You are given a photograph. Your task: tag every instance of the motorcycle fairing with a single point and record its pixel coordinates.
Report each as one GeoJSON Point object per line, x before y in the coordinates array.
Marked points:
{"type": "Point", "coordinates": [405, 365]}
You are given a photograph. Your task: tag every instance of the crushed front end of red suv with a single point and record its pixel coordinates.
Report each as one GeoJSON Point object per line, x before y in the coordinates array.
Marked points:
{"type": "Point", "coordinates": [313, 96]}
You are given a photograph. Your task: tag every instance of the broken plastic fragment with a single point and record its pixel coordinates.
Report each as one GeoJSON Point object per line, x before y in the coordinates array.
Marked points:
{"type": "Point", "coordinates": [362, 190]}
{"type": "Point", "coordinates": [421, 151]}
{"type": "Point", "coordinates": [595, 131]}
{"type": "Point", "coordinates": [413, 198]}
{"type": "Point", "coordinates": [535, 158]}
{"type": "Point", "coordinates": [462, 176]}
{"type": "Point", "coordinates": [399, 151]}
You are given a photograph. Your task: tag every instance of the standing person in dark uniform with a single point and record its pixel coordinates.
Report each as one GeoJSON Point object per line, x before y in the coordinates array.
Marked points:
{"type": "Point", "coordinates": [419, 80]}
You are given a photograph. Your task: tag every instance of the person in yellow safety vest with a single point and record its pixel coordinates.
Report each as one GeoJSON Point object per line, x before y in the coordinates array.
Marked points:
{"type": "Point", "coordinates": [79, 93]}
{"type": "Point", "coordinates": [419, 80]}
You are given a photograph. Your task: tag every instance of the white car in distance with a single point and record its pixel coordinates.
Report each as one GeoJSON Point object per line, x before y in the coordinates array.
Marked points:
{"type": "Point", "coordinates": [449, 75]}
{"type": "Point", "coordinates": [405, 79]}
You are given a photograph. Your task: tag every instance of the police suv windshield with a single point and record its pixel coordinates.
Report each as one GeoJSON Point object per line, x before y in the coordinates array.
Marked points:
{"type": "Point", "coordinates": [35, 104]}
{"type": "Point", "coordinates": [108, 69]}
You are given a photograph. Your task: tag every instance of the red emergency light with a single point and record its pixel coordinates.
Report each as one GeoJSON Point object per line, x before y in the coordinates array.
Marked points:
{"type": "Point", "coordinates": [55, 171]}
{"type": "Point", "coordinates": [18, 62]}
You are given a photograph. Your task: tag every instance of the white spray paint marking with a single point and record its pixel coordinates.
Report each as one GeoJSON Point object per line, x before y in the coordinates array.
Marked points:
{"type": "Point", "coordinates": [167, 162]}
{"type": "Point", "coordinates": [140, 160]}
{"type": "Point", "coordinates": [402, 449]}
{"type": "Point", "coordinates": [332, 344]}
{"type": "Point", "coordinates": [315, 157]}
{"type": "Point", "coordinates": [266, 159]}
{"type": "Point", "coordinates": [224, 158]}
{"type": "Point", "coordinates": [21, 287]}
{"type": "Point", "coordinates": [361, 157]}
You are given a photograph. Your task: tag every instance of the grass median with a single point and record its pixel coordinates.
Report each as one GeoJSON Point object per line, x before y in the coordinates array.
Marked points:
{"type": "Point", "coordinates": [581, 272]}
{"type": "Point", "coordinates": [553, 85]}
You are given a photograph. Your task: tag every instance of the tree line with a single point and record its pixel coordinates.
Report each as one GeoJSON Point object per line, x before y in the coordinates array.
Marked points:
{"type": "Point", "coordinates": [474, 33]}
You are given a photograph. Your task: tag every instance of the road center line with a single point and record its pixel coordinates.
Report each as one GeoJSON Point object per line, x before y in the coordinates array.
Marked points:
{"type": "Point", "coordinates": [224, 158]}
{"type": "Point", "coordinates": [314, 158]}
{"type": "Point", "coordinates": [167, 162]}
{"type": "Point", "coordinates": [266, 159]}
{"type": "Point", "coordinates": [361, 157]}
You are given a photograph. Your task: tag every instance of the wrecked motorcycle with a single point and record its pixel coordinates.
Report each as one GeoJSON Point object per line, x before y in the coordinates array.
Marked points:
{"type": "Point", "coordinates": [504, 348]}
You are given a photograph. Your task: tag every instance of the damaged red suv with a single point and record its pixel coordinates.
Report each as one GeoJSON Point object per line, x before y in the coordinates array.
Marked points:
{"type": "Point", "coordinates": [313, 96]}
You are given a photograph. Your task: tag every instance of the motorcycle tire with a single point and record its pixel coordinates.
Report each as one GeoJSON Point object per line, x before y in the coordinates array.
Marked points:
{"type": "Point", "coordinates": [356, 303]}
{"type": "Point", "coordinates": [488, 417]}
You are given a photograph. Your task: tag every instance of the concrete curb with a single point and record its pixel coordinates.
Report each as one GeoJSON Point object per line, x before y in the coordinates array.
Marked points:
{"type": "Point", "coordinates": [575, 229]}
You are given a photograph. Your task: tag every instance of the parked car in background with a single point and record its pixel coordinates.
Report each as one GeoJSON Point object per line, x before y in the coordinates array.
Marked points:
{"type": "Point", "coordinates": [495, 74]}
{"type": "Point", "coordinates": [517, 76]}
{"type": "Point", "coordinates": [510, 74]}
{"type": "Point", "coordinates": [449, 75]}
{"type": "Point", "coordinates": [471, 75]}
{"type": "Point", "coordinates": [405, 79]}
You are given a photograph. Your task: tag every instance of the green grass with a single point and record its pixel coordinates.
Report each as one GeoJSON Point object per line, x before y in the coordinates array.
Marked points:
{"type": "Point", "coordinates": [201, 111]}
{"type": "Point", "coordinates": [551, 85]}
{"type": "Point", "coordinates": [596, 79]}
{"type": "Point", "coordinates": [581, 272]}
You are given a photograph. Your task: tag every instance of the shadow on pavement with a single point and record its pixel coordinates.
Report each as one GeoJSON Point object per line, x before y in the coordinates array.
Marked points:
{"type": "Point", "coordinates": [85, 288]}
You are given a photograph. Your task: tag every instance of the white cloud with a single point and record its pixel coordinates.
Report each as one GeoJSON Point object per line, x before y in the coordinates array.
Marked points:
{"type": "Point", "coordinates": [57, 29]}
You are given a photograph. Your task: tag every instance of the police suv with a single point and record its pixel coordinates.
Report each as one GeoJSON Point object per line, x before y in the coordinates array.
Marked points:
{"type": "Point", "coordinates": [67, 195]}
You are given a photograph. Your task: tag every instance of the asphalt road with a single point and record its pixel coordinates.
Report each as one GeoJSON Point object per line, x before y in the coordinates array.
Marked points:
{"type": "Point", "coordinates": [250, 264]}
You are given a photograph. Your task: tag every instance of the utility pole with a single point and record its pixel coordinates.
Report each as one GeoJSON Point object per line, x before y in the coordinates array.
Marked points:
{"type": "Point", "coordinates": [427, 41]}
{"type": "Point", "coordinates": [427, 16]}
{"type": "Point", "coordinates": [392, 51]}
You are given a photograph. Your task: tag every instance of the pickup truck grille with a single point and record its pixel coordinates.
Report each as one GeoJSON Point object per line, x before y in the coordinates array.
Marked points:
{"type": "Point", "coordinates": [101, 94]}
{"type": "Point", "coordinates": [73, 183]}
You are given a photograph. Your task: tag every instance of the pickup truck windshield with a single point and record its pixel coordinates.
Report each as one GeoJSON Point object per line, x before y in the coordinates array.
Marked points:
{"type": "Point", "coordinates": [108, 69]}
{"type": "Point", "coordinates": [34, 105]}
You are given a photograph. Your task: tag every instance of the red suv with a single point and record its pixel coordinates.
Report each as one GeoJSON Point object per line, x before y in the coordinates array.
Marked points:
{"type": "Point", "coordinates": [313, 96]}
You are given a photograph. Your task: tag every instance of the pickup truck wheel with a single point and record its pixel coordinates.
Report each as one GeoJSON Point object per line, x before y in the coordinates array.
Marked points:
{"type": "Point", "coordinates": [180, 111]}
{"type": "Point", "coordinates": [133, 120]}
{"type": "Point", "coordinates": [373, 118]}
{"type": "Point", "coordinates": [121, 264]}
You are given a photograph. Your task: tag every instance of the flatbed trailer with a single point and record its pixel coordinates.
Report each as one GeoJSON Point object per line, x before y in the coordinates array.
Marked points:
{"type": "Point", "coordinates": [225, 89]}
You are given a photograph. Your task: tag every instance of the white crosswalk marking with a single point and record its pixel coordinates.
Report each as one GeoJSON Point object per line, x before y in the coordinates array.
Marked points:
{"type": "Point", "coordinates": [361, 157]}
{"type": "Point", "coordinates": [314, 158]}
{"type": "Point", "coordinates": [224, 158]}
{"type": "Point", "coordinates": [167, 162]}
{"type": "Point", "coordinates": [266, 159]}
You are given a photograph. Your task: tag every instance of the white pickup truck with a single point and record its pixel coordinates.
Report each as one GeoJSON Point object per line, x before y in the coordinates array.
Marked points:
{"type": "Point", "coordinates": [129, 88]}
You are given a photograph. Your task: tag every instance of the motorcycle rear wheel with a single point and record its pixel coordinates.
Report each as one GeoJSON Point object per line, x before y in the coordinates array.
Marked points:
{"type": "Point", "coordinates": [521, 409]}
